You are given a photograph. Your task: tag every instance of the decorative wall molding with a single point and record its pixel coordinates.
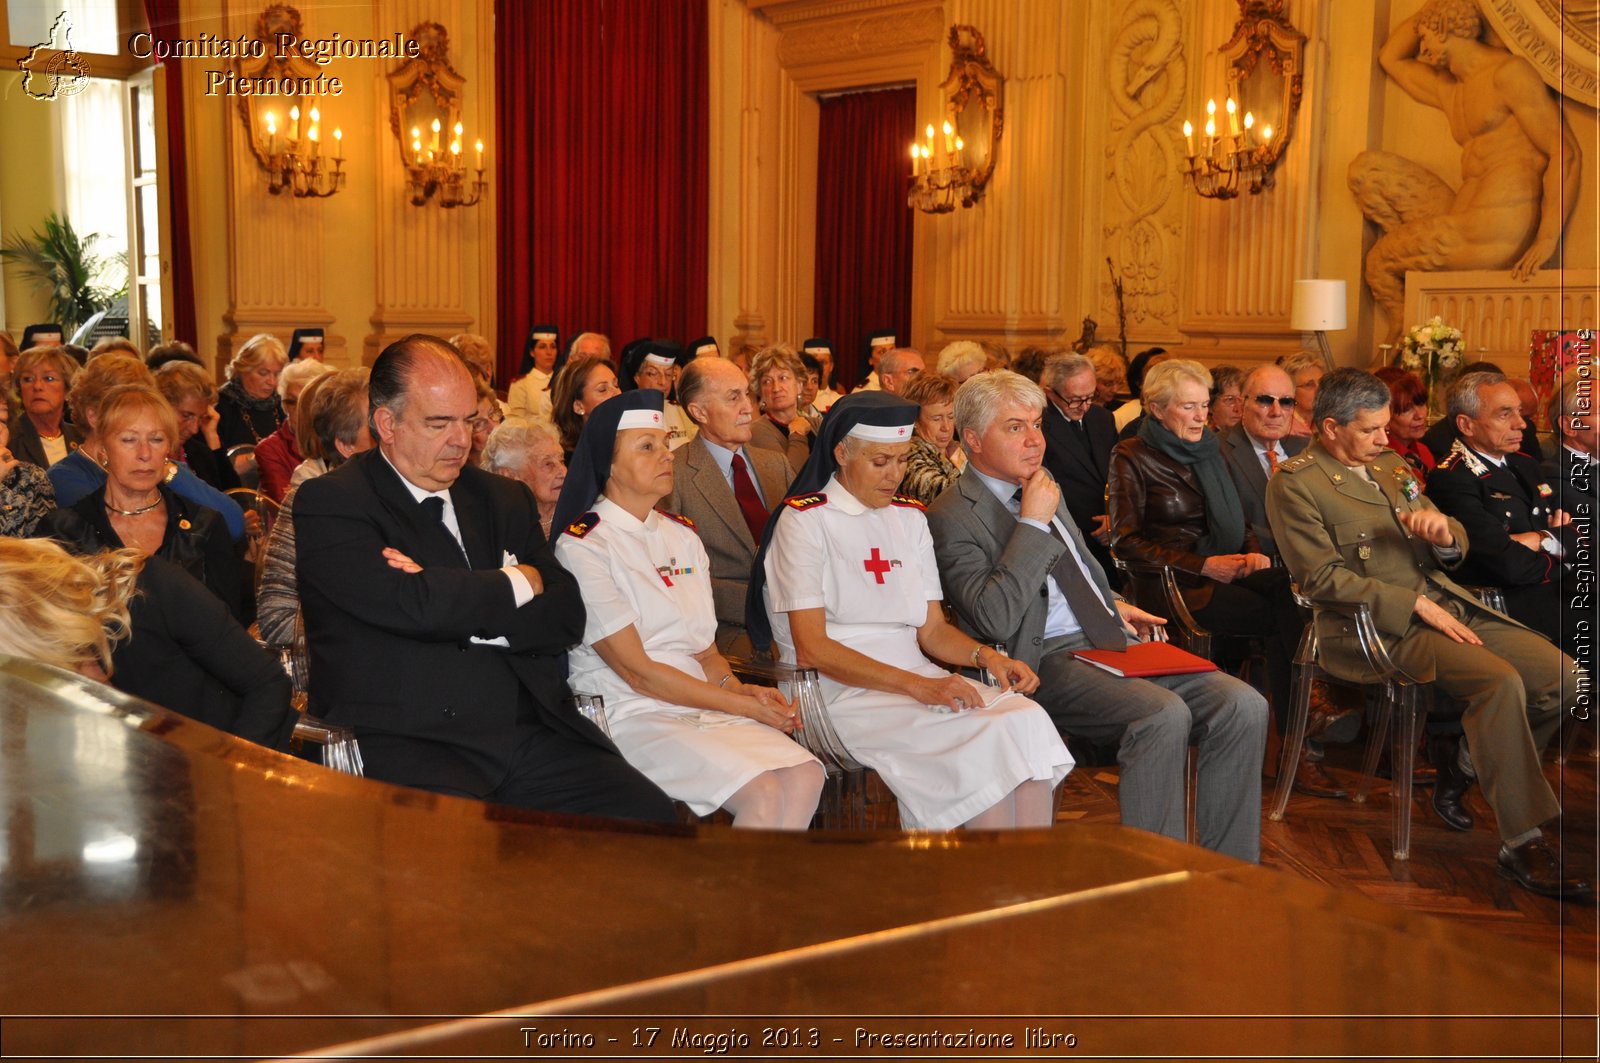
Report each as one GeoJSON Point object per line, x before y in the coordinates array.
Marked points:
{"type": "Point", "coordinates": [875, 34]}
{"type": "Point", "coordinates": [1561, 41]}
{"type": "Point", "coordinates": [1497, 314]}
{"type": "Point", "coordinates": [1146, 76]}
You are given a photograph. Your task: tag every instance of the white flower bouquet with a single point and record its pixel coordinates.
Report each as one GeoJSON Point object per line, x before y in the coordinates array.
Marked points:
{"type": "Point", "coordinates": [1433, 352]}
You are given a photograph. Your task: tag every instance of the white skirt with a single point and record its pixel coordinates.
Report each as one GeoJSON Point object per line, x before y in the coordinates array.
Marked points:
{"type": "Point", "coordinates": [946, 767]}
{"type": "Point", "coordinates": [702, 758]}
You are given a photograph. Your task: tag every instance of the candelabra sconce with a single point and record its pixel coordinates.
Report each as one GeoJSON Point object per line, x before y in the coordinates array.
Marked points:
{"type": "Point", "coordinates": [425, 113]}
{"type": "Point", "coordinates": [956, 168]}
{"type": "Point", "coordinates": [288, 144]}
{"type": "Point", "coordinates": [1263, 60]}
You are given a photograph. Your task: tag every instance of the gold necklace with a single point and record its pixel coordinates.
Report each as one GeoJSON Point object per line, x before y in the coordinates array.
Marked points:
{"type": "Point", "coordinates": [141, 511]}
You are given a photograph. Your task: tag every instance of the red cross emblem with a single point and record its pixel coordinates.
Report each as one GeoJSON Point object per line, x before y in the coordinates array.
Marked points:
{"type": "Point", "coordinates": [662, 571]}
{"type": "Point", "coordinates": [876, 565]}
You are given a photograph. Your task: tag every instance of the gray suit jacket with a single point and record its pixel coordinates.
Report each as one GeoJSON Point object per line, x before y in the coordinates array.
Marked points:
{"type": "Point", "coordinates": [700, 493]}
{"type": "Point", "coordinates": [993, 566]}
{"type": "Point", "coordinates": [1251, 480]}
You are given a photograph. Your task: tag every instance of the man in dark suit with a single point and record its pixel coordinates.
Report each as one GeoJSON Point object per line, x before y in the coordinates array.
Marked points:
{"type": "Point", "coordinates": [1078, 436]}
{"type": "Point", "coordinates": [725, 487]}
{"type": "Point", "coordinates": [436, 617]}
{"type": "Point", "coordinates": [1016, 569]}
{"type": "Point", "coordinates": [1443, 434]}
{"type": "Point", "coordinates": [1255, 446]}
{"type": "Point", "coordinates": [1519, 536]}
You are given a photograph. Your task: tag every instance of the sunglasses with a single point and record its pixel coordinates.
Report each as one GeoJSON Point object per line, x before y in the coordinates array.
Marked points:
{"type": "Point", "coordinates": [1266, 402]}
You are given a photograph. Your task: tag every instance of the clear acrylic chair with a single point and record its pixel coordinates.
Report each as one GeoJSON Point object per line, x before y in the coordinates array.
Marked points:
{"type": "Point", "coordinates": [340, 752]}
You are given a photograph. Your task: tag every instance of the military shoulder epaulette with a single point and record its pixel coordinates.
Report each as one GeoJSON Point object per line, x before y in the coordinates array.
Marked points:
{"type": "Point", "coordinates": [910, 503]}
{"type": "Point", "coordinates": [806, 501]}
{"type": "Point", "coordinates": [583, 525]}
{"type": "Point", "coordinates": [1462, 454]}
{"type": "Point", "coordinates": [1299, 461]}
{"type": "Point", "coordinates": [687, 522]}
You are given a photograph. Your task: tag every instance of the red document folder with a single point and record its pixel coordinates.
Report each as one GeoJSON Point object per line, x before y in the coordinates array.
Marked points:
{"type": "Point", "coordinates": [1144, 659]}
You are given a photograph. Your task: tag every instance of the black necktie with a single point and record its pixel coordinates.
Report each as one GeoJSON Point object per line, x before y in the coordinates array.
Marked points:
{"type": "Point", "coordinates": [1102, 630]}
{"type": "Point", "coordinates": [433, 508]}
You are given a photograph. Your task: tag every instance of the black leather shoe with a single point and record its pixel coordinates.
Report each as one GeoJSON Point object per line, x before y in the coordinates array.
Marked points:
{"type": "Point", "coordinates": [1535, 866]}
{"type": "Point", "coordinates": [1452, 784]}
{"type": "Point", "coordinates": [1313, 780]}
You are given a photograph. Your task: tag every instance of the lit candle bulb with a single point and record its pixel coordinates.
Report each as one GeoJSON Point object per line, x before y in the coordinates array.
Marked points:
{"type": "Point", "coordinates": [316, 115]}
{"type": "Point", "coordinates": [311, 135]}
{"type": "Point", "coordinates": [458, 130]}
{"type": "Point", "coordinates": [480, 156]}
{"type": "Point", "coordinates": [272, 133]}
{"type": "Point", "coordinates": [435, 145]}
{"type": "Point", "coordinates": [294, 124]}
{"type": "Point", "coordinates": [338, 143]}
{"type": "Point", "coordinates": [916, 154]}
{"type": "Point", "coordinates": [1266, 134]}
{"type": "Point", "coordinates": [1249, 121]}
{"type": "Point", "coordinates": [1188, 136]}
{"type": "Point", "coordinates": [1211, 134]}
{"type": "Point", "coordinates": [961, 146]}
{"type": "Point", "coordinates": [416, 151]}
{"type": "Point", "coordinates": [1233, 116]}
{"type": "Point", "coordinates": [1211, 108]}
{"type": "Point", "coordinates": [949, 144]}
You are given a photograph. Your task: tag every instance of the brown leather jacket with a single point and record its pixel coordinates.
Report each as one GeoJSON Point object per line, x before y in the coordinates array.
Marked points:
{"type": "Point", "coordinates": [1158, 514]}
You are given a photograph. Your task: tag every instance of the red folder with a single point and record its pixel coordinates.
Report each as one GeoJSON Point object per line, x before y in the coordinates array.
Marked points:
{"type": "Point", "coordinates": [1144, 659]}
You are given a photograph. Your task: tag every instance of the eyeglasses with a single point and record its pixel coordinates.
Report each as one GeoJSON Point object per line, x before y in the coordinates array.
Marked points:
{"type": "Point", "coordinates": [1075, 403]}
{"type": "Point", "coordinates": [1266, 402]}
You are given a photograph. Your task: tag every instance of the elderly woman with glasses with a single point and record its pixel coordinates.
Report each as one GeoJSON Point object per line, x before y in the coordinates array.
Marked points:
{"type": "Point", "coordinates": [41, 435]}
{"type": "Point", "coordinates": [1174, 503]}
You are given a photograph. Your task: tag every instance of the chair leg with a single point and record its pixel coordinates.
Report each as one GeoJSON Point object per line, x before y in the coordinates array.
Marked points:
{"type": "Point", "coordinates": [1190, 790]}
{"type": "Point", "coordinates": [1378, 731]}
{"type": "Point", "coordinates": [1305, 673]}
{"type": "Point", "coordinates": [1407, 727]}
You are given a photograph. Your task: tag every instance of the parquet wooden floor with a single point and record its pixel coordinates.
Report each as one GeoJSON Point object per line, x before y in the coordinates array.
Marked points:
{"type": "Point", "coordinates": [1450, 875]}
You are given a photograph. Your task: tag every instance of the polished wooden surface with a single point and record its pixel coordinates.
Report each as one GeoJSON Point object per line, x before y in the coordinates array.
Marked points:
{"type": "Point", "coordinates": [169, 892]}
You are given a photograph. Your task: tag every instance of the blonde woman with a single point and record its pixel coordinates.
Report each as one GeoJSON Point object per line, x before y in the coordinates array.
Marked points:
{"type": "Point", "coordinates": [249, 405]}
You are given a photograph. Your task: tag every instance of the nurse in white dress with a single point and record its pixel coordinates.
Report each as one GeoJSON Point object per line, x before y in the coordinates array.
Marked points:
{"type": "Point", "coordinates": [851, 588]}
{"type": "Point", "coordinates": [654, 365]}
{"type": "Point", "coordinates": [528, 398]}
{"type": "Point", "coordinates": [672, 704]}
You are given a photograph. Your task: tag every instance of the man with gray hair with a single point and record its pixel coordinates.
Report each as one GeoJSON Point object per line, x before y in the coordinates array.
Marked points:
{"type": "Point", "coordinates": [897, 368]}
{"type": "Point", "coordinates": [1354, 527]}
{"type": "Point", "coordinates": [1017, 571]}
{"type": "Point", "coordinates": [1078, 436]}
{"type": "Point", "coordinates": [1519, 535]}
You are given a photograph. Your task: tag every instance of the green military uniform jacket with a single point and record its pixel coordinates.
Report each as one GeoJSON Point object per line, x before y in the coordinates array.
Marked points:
{"type": "Point", "coordinates": [1343, 542]}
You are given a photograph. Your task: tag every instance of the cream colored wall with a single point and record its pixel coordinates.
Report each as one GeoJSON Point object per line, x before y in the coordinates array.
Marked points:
{"type": "Point", "coordinates": [1087, 168]}
{"type": "Point", "coordinates": [31, 186]}
{"type": "Point", "coordinates": [364, 263]}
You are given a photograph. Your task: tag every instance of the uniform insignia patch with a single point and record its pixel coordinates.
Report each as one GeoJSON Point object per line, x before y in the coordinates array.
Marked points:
{"type": "Point", "coordinates": [583, 525]}
{"type": "Point", "coordinates": [806, 501]}
{"type": "Point", "coordinates": [1544, 491]}
{"type": "Point", "coordinates": [687, 522]}
{"type": "Point", "coordinates": [1299, 461]}
{"type": "Point", "coordinates": [909, 502]}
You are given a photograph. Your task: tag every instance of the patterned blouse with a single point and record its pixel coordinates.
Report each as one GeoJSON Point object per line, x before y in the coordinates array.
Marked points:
{"type": "Point", "coordinates": [928, 472]}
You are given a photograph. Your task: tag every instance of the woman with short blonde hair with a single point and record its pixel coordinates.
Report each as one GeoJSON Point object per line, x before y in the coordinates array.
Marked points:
{"type": "Point", "coordinates": [44, 376]}
{"type": "Point", "coordinates": [776, 374]}
{"type": "Point", "coordinates": [249, 405]}
{"type": "Point", "coordinates": [63, 610]}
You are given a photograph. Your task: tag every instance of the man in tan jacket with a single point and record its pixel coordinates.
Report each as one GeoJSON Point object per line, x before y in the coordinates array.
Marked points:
{"type": "Point", "coordinates": [1353, 526]}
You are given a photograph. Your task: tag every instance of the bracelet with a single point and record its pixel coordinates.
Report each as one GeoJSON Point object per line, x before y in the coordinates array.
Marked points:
{"type": "Point", "coordinates": [977, 652]}
{"type": "Point", "coordinates": [724, 681]}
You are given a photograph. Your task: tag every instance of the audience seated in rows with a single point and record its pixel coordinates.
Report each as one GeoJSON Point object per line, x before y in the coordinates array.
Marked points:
{"type": "Point", "coordinates": [898, 367]}
{"type": "Point", "coordinates": [1227, 397]}
{"type": "Point", "coordinates": [193, 397]}
{"type": "Point", "coordinates": [586, 381]}
{"type": "Point", "coordinates": [847, 583]}
{"type": "Point", "coordinates": [530, 396]}
{"type": "Point", "coordinates": [1305, 369]}
{"type": "Point", "coordinates": [1408, 418]}
{"type": "Point", "coordinates": [1355, 528]}
{"type": "Point", "coordinates": [278, 455]}
{"type": "Point", "coordinates": [26, 496]}
{"type": "Point", "coordinates": [1079, 433]}
{"type": "Point", "coordinates": [531, 454]}
{"type": "Point", "coordinates": [672, 704]}
{"type": "Point", "coordinates": [781, 428]}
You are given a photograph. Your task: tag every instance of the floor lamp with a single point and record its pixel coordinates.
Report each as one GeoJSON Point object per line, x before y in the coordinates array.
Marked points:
{"type": "Point", "coordinates": [1318, 307]}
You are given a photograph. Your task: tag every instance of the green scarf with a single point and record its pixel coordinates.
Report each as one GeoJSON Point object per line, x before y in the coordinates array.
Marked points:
{"type": "Point", "coordinates": [1224, 513]}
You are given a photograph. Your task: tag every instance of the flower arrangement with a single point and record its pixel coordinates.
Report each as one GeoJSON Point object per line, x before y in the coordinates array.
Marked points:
{"type": "Point", "coordinates": [1433, 352]}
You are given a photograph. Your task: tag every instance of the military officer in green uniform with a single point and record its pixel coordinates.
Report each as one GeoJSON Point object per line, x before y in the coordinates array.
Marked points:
{"type": "Point", "coordinates": [1353, 526]}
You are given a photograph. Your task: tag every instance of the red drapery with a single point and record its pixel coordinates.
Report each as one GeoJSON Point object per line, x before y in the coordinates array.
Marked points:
{"type": "Point", "coordinates": [863, 281]}
{"type": "Point", "coordinates": [602, 115]}
{"type": "Point", "coordinates": [166, 25]}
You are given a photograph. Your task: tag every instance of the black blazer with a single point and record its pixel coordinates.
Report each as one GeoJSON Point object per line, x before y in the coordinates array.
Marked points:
{"type": "Point", "coordinates": [1080, 472]}
{"type": "Point", "coordinates": [196, 540]}
{"type": "Point", "coordinates": [390, 651]}
{"type": "Point", "coordinates": [27, 446]}
{"type": "Point", "coordinates": [187, 654]}
{"type": "Point", "coordinates": [1443, 435]}
{"type": "Point", "coordinates": [237, 425]}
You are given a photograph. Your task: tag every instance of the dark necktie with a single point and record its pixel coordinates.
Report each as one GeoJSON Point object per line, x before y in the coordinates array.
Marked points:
{"type": "Point", "coordinates": [1102, 630]}
{"type": "Point", "coordinates": [744, 492]}
{"type": "Point", "coordinates": [433, 507]}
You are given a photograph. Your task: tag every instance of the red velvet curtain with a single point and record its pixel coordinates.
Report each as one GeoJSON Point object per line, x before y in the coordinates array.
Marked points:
{"type": "Point", "coordinates": [167, 25]}
{"type": "Point", "coordinates": [602, 116]}
{"type": "Point", "coordinates": [863, 282]}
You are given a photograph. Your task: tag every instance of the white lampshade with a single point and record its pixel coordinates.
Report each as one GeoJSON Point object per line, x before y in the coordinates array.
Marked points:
{"type": "Point", "coordinates": [1318, 306]}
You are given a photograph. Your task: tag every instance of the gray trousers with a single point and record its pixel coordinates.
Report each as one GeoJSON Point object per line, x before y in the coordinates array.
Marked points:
{"type": "Point", "coordinates": [1155, 721]}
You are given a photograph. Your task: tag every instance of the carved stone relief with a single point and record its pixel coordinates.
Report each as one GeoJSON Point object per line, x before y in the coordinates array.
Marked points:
{"type": "Point", "coordinates": [1561, 38]}
{"type": "Point", "coordinates": [1514, 139]}
{"type": "Point", "coordinates": [1146, 81]}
